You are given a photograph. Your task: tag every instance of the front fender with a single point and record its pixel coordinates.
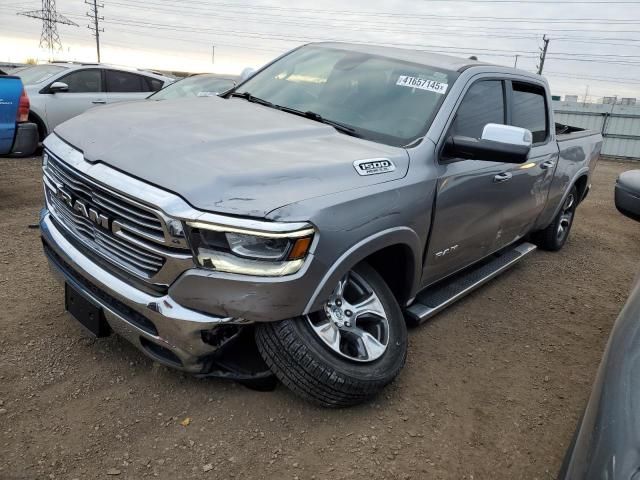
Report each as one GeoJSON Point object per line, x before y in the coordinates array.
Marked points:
{"type": "Point", "coordinates": [360, 251]}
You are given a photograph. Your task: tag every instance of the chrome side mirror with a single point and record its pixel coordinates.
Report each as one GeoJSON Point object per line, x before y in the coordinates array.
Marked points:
{"type": "Point", "coordinates": [58, 87]}
{"type": "Point", "coordinates": [507, 134]}
{"type": "Point", "coordinates": [499, 143]}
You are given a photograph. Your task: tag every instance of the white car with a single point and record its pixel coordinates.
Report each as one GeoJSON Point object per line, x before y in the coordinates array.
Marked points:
{"type": "Point", "coordinates": [60, 91]}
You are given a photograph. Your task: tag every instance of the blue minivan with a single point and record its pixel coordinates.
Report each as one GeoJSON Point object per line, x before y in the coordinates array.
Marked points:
{"type": "Point", "coordinates": [18, 136]}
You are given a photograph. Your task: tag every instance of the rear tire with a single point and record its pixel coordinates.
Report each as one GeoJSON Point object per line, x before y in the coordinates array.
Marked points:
{"type": "Point", "coordinates": [556, 234]}
{"type": "Point", "coordinates": [368, 354]}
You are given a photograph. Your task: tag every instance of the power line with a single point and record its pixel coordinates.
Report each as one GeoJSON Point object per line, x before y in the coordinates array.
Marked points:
{"type": "Point", "coordinates": [284, 37]}
{"type": "Point", "coordinates": [95, 28]}
{"type": "Point", "coordinates": [443, 48]}
{"type": "Point", "coordinates": [184, 9]}
{"type": "Point", "coordinates": [595, 78]}
{"type": "Point", "coordinates": [186, 6]}
{"type": "Point", "coordinates": [615, 80]}
{"type": "Point", "coordinates": [49, 38]}
{"type": "Point", "coordinates": [551, 2]}
{"type": "Point", "coordinates": [381, 27]}
{"type": "Point", "coordinates": [195, 4]}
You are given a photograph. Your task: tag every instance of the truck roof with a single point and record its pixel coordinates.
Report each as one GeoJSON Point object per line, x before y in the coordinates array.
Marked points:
{"type": "Point", "coordinates": [445, 62]}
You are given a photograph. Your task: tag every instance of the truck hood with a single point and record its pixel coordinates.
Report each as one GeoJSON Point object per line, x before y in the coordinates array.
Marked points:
{"type": "Point", "coordinates": [227, 156]}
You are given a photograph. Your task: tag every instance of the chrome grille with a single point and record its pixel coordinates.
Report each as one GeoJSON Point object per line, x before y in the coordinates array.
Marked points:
{"type": "Point", "coordinates": [135, 240]}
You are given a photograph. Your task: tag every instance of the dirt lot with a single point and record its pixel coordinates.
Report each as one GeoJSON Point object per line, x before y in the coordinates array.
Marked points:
{"type": "Point", "coordinates": [492, 389]}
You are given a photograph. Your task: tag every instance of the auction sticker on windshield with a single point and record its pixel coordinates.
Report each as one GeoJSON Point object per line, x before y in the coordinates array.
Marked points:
{"type": "Point", "coordinates": [422, 84]}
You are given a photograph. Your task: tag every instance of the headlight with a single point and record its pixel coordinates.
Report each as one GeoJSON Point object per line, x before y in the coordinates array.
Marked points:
{"type": "Point", "coordinates": [249, 252]}
{"type": "Point", "coordinates": [250, 246]}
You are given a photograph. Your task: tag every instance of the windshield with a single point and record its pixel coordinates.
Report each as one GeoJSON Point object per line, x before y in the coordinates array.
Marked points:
{"type": "Point", "coordinates": [382, 99]}
{"type": "Point", "coordinates": [195, 86]}
{"type": "Point", "coordinates": [38, 73]}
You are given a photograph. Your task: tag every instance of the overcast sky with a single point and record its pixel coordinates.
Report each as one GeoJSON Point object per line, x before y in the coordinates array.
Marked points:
{"type": "Point", "coordinates": [594, 44]}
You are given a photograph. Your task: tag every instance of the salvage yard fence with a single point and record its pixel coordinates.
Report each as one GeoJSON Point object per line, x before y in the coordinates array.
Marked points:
{"type": "Point", "coordinates": [619, 124]}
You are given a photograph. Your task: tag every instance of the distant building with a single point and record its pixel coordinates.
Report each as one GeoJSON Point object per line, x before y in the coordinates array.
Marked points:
{"type": "Point", "coordinates": [609, 100]}
{"type": "Point", "coordinates": [628, 101]}
{"type": "Point", "coordinates": [571, 98]}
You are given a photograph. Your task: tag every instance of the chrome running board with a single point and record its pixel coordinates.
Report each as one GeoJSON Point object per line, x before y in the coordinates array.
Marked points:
{"type": "Point", "coordinates": [434, 299]}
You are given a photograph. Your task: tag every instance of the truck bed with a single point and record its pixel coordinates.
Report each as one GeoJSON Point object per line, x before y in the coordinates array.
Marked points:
{"type": "Point", "coordinates": [568, 132]}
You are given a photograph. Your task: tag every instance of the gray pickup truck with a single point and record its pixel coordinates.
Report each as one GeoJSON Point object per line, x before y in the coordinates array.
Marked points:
{"type": "Point", "coordinates": [294, 225]}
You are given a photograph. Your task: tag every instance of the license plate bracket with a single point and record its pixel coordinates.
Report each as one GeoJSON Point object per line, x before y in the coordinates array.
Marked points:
{"type": "Point", "coordinates": [88, 314]}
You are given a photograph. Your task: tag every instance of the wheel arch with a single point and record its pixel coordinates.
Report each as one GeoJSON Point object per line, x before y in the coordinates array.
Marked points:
{"type": "Point", "coordinates": [396, 265]}
{"type": "Point", "coordinates": [582, 185]}
{"type": "Point", "coordinates": [42, 126]}
{"type": "Point", "coordinates": [394, 253]}
{"type": "Point", "coordinates": [579, 180]}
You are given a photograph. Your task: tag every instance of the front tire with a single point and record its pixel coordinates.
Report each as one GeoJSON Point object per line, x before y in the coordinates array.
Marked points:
{"type": "Point", "coordinates": [556, 234]}
{"type": "Point", "coordinates": [346, 353]}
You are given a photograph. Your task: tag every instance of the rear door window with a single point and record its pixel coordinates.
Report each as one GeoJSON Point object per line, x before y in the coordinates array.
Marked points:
{"type": "Point", "coordinates": [482, 104]}
{"type": "Point", "coordinates": [529, 110]}
{"type": "Point", "coordinates": [84, 81]}
{"type": "Point", "coordinates": [126, 82]}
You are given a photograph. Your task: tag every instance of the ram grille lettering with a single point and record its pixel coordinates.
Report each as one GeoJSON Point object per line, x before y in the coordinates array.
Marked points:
{"type": "Point", "coordinates": [81, 208]}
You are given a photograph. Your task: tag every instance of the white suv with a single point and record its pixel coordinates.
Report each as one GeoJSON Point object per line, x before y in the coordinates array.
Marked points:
{"type": "Point", "coordinates": [60, 91]}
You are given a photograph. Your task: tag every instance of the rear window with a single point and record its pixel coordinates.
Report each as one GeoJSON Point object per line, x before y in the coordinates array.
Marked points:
{"type": "Point", "coordinates": [38, 73]}
{"type": "Point", "coordinates": [529, 110]}
{"type": "Point", "coordinates": [126, 82]}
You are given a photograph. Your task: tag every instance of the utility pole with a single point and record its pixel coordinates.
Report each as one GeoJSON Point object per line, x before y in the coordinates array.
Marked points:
{"type": "Point", "coordinates": [515, 64]}
{"type": "Point", "coordinates": [213, 54]}
{"type": "Point", "coordinates": [543, 54]}
{"type": "Point", "coordinates": [49, 38]}
{"type": "Point", "coordinates": [95, 28]}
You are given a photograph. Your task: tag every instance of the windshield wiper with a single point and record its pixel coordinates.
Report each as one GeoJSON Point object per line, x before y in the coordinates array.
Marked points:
{"type": "Point", "coordinates": [250, 98]}
{"type": "Point", "coordinates": [308, 114]}
{"type": "Point", "coordinates": [319, 118]}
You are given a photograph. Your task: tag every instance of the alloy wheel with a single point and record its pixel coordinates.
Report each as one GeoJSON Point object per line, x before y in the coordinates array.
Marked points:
{"type": "Point", "coordinates": [566, 217]}
{"type": "Point", "coordinates": [353, 322]}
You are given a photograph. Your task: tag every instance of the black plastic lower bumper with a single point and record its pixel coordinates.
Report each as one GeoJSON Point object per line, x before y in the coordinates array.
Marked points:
{"type": "Point", "coordinates": [26, 140]}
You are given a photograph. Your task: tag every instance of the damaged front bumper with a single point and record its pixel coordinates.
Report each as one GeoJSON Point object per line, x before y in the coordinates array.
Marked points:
{"type": "Point", "coordinates": [160, 327]}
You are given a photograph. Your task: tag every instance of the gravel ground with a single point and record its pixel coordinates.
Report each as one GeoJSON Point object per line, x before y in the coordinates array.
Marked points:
{"type": "Point", "coordinates": [493, 387]}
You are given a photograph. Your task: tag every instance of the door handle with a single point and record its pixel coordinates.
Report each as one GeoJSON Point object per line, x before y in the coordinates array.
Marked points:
{"type": "Point", "coordinates": [548, 164]}
{"type": "Point", "coordinates": [99, 102]}
{"type": "Point", "coordinates": [502, 177]}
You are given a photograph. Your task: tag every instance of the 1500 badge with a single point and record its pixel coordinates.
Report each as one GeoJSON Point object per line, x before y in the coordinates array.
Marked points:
{"type": "Point", "coordinates": [374, 166]}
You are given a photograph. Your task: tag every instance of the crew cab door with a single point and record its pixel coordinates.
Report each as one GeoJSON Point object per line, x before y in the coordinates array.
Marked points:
{"type": "Point", "coordinates": [528, 107]}
{"type": "Point", "coordinates": [85, 91]}
{"type": "Point", "coordinates": [126, 86]}
{"type": "Point", "coordinates": [471, 194]}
